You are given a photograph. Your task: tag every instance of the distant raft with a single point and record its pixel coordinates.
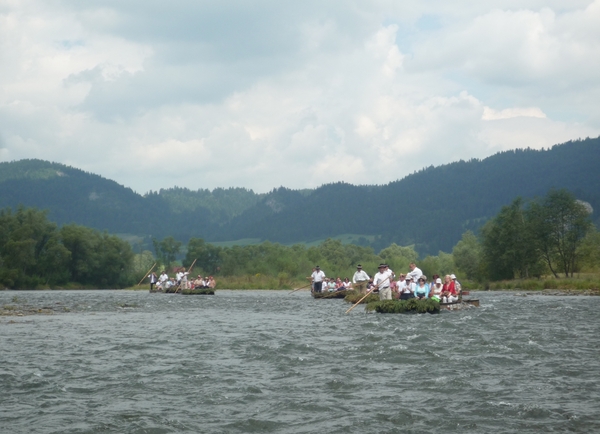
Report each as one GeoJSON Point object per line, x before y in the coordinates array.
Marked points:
{"type": "Point", "coordinates": [199, 291]}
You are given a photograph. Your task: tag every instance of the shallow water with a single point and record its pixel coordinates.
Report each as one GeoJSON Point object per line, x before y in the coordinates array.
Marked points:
{"type": "Point", "coordinates": [266, 361]}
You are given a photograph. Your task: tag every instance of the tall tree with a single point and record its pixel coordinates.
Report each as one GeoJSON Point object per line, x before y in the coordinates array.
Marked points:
{"type": "Point", "coordinates": [467, 256]}
{"type": "Point", "coordinates": [167, 250]}
{"type": "Point", "coordinates": [560, 224]}
{"type": "Point", "coordinates": [508, 247]}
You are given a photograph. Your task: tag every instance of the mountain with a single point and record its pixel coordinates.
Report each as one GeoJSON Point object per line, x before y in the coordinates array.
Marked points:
{"type": "Point", "coordinates": [430, 208]}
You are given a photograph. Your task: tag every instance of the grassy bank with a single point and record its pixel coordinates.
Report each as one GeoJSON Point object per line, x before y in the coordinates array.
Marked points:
{"type": "Point", "coordinates": [587, 281]}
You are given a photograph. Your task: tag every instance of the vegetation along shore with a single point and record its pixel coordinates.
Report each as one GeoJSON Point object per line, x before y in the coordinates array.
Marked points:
{"type": "Point", "coordinates": [546, 243]}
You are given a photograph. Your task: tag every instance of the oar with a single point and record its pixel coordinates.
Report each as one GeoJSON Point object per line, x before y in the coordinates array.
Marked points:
{"type": "Point", "coordinates": [298, 289]}
{"type": "Point", "coordinates": [189, 271]}
{"type": "Point", "coordinates": [146, 275]}
{"type": "Point", "coordinates": [370, 291]}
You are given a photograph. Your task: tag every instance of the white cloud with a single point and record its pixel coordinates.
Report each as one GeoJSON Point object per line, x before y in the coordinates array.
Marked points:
{"type": "Point", "coordinates": [490, 114]}
{"type": "Point", "coordinates": [265, 94]}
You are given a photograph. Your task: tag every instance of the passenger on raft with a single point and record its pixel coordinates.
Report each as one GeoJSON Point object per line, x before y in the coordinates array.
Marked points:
{"type": "Point", "coordinates": [406, 289]}
{"type": "Point", "coordinates": [212, 283]}
{"type": "Point", "coordinates": [449, 294]}
{"type": "Point", "coordinates": [436, 289]}
{"type": "Point", "coordinates": [422, 288]}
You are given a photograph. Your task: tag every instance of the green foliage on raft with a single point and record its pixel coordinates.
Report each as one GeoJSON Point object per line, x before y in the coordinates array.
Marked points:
{"type": "Point", "coordinates": [335, 294]}
{"type": "Point", "coordinates": [354, 296]}
{"type": "Point", "coordinates": [404, 306]}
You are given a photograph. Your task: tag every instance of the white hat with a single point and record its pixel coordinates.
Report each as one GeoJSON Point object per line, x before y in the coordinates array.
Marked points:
{"type": "Point", "coordinates": [452, 276]}
{"type": "Point", "coordinates": [438, 280]}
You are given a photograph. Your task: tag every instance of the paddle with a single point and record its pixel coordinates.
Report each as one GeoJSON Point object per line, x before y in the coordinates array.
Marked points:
{"type": "Point", "coordinates": [370, 291]}
{"type": "Point", "coordinates": [146, 275]}
{"type": "Point", "coordinates": [298, 289]}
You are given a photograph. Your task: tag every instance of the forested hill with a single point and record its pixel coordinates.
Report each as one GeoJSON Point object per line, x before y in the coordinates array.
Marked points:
{"type": "Point", "coordinates": [430, 208]}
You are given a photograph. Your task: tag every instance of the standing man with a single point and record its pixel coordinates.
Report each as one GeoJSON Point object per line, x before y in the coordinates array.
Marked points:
{"type": "Point", "coordinates": [382, 281]}
{"type": "Point", "coordinates": [153, 280]}
{"type": "Point", "coordinates": [360, 280]}
{"type": "Point", "coordinates": [317, 278]}
{"type": "Point", "coordinates": [162, 280]}
{"type": "Point", "coordinates": [415, 272]}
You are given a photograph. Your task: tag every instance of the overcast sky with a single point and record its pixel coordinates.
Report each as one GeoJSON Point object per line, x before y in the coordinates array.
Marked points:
{"type": "Point", "coordinates": [262, 94]}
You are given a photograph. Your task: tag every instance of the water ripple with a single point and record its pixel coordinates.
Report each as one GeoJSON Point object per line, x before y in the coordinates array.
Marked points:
{"type": "Point", "coordinates": [263, 361]}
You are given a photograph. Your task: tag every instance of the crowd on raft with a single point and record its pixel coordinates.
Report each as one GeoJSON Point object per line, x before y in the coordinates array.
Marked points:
{"type": "Point", "coordinates": [413, 284]}
{"type": "Point", "coordinates": [180, 281]}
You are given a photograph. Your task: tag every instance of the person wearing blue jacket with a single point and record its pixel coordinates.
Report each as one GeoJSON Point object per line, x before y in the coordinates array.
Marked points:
{"type": "Point", "coordinates": [422, 289]}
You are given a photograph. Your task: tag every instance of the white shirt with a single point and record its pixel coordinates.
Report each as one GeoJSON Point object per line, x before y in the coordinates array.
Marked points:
{"type": "Point", "coordinates": [163, 277]}
{"type": "Point", "coordinates": [381, 280]}
{"type": "Point", "coordinates": [415, 274]}
{"type": "Point", "coordinates": [318, 276]}
{"type": "Point", "coordinates": [406, 289]}
{"type": "Point", "coordinates": [360, 276]}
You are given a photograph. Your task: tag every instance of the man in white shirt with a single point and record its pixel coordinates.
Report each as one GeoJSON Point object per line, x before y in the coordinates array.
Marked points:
{"type": "Point", "coordinates": [317, 278]}
{"type": "Point", "coordinates": [382, 281]}
{"type": "Point", "coordinates": [162, 280]}
{"type": "Point", "coordinates": [415, 272]}
{"type": "Point", "coordinates": [360, 279]}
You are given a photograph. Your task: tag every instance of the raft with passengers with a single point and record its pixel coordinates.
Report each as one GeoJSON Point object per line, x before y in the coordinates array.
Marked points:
{"type": "Point", "coordinates": [180, 284]}
{"type": "Point", "coordinates": [410, 292]}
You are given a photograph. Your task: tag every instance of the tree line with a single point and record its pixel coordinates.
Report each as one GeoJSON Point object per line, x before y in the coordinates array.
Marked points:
{"type": "Point", "coordinates": [549, 235]}
{"type": "Point", "coordinates": [553, 234]}
{"type": "Point", "coordinates": [35, 252]}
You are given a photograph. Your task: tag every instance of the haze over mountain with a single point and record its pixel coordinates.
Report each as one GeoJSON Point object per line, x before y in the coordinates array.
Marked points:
{"type": "Point", "coordinates": [430, 208]}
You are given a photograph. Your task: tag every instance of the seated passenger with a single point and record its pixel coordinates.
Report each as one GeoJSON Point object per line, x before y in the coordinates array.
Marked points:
{"type": "Point", "coordinates": [199, 282]}
{"type": "Point", "coordinates": [407, 288]}
{"type": "Point", "coordinates": [339, 285]}
{"type": "Point", "coordinates": [211, 282]}
{"type": "Point", "coordinates": [449, 290]}
{"type": "Point", "coordinates": [331, 285]}
{"type": "Point", "coordinates": [457, 285]}
{"type": "Point", "coordinates": [436, 290]}
{"type": "Point", "coordinates": [347, 283]}
{"type": "Point", "coordinates": [422, 288]}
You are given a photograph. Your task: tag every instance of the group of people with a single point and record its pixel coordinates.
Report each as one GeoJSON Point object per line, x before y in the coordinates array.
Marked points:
{"type": "Point", "coordinates": [413, 284]}
{"type": "Point", "coordinates": [180, 281]}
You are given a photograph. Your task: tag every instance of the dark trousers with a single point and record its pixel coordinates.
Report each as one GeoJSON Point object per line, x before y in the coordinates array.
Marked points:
{"type": "Point", "coordinates": [318, 286]}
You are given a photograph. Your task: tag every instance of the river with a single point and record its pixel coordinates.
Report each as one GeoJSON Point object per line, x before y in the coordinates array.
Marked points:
{"type": "Point", "coordinates": [268, 361]}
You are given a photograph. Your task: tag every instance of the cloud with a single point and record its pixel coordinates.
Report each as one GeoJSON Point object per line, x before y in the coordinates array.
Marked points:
{"type": "Point", "coordinates": [262, 94]}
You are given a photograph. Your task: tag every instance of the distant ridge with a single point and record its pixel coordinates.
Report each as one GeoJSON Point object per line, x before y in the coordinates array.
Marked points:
{"type": "Point", "coordinates": [430, 208]}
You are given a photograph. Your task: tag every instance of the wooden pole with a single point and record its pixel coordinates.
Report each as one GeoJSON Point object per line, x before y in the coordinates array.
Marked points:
{"type": "Point", "coordinates": [146, 275]}
{"type": "Point", "coordinates": [189, 270]}
{"type": "Point", "coordinates": [298, 289]}
{"type": "Point", "coordinates": [370, 291]}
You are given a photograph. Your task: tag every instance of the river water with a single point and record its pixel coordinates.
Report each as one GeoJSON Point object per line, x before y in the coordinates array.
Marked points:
{"type": "Point", "coordinates": [267, 361]}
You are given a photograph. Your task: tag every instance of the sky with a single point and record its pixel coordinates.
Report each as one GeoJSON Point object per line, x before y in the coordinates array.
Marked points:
{"type": "Point", "coordinates": [262, 94]}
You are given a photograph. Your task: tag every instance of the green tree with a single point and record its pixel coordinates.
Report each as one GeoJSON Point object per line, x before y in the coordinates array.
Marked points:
{"type": "Point", "coordinates": [207, 256]}
{"type": "Point", "coordinates": [589, 250]}
{"type": "Point", "coordinates": [28, 245]}
{"type": "Point", "coordinates": [167, 250]}
{"type": "Point", "coordinates": [398, 257]}
{"type": "Point", "coordinates": [508, 245]}
{"type": "Point", "coordinates": [467, 254]}
{"type": "Point", "coordinates": [559, 223]}
{"type": "Point", "coordinates": [441, 264]}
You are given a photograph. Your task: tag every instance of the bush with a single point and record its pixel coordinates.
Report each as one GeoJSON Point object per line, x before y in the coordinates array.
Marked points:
{"type": "Point", "coordinates": [404, 306]}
